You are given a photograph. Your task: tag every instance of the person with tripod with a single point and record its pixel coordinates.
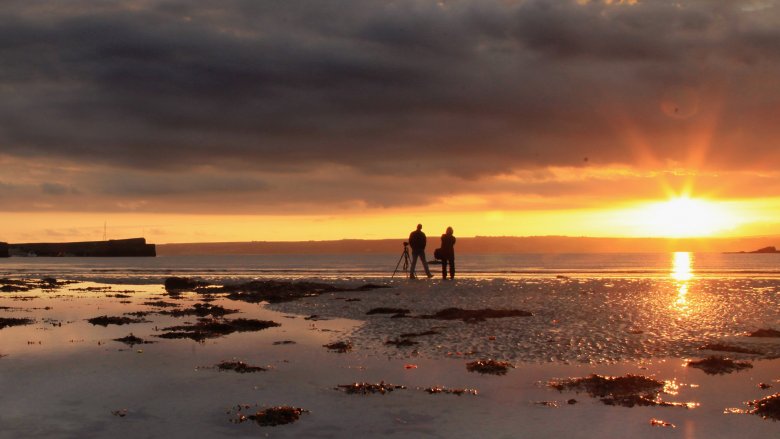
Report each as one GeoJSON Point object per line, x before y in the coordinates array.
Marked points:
{"type": "Point", "coordinates": [417, 243]}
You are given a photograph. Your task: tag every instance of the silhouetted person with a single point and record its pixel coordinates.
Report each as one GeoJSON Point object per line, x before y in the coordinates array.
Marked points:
{"type": "Point", "coordinates": [448, 254]}
{"type": "Point", "coordinates": [417, 242]}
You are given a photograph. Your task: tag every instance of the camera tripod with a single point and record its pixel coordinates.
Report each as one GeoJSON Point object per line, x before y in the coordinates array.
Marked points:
{"type": "Point", "coordinates": [404, 258]}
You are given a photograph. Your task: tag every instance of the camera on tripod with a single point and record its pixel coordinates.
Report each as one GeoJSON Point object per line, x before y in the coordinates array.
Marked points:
{"type": "Point", "coordinates": [404, 259]}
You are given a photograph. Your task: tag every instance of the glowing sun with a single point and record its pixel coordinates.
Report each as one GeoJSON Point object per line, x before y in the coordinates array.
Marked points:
{"type": "Point", "coordinates": [684, 217]}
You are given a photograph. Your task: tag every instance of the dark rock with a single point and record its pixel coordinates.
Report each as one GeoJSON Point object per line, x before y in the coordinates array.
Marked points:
{"type": "Point", "coordinates": [719, 365]}
{"type": "Point", "coordinates": [274, 291]}
{"type": "Point", "coordinates": [140, 313]}
{"type": "Point", "coordinates": [16, 286]}
{"type": "Point", "coordinates": [339, 346]}
{"type": "Point", "coordinates": [274, 416]}
{"type": "Point", "coordinates": [384, 310]}
{"type": "Point", "coordinates": [419, 334]}
{"type": "Point", "coordinates": [489, 366]}
{"type": "Point", "coordinates": [368, 287]}
{"type": "Point", "coordinates": [106, 320]}
{"type": "Point", "coordinates": [251, 325]}
{"type": "Point", "coordinates": [315, 318]}
{"type": "Point", "coordinates": [405, 342]}
{"type": "Point", "coordinates": [476, 315]}
{"type": "Point", "coordinates": [764, 333]}
{"type": "Point", "coordinates": [728, 348]}
{"type": "Point", "coordinates": [180, 284]}
{"type": "Point", "coordinates": [239, 366]}
{"type": "Point", "coordinates": [132, 340]}
{"type": "Point", "coordinates": [601, 386]}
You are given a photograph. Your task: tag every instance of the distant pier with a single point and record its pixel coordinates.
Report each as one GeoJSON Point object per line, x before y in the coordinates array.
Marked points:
{"type": "Point", "coordinates": [110, 248]}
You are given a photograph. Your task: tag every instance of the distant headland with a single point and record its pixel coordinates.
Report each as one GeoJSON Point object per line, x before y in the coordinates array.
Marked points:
{"type": "Point", "coordinates": [108, 248]}
{"type": "Point", "coordinates": [476, 245]}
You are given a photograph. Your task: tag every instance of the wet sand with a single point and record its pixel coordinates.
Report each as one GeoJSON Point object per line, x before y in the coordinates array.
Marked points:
{"type": "Point", "coordinates": [65, 377]}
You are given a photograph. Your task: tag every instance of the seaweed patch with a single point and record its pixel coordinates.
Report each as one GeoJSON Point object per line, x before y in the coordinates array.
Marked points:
{"type": "Point", "coordinates": [23, 285]}
{"type": "Point", "coordinates": [212, 328]}
{"type": "Point", "coordinates": [767, 408]}
{"type": "Point", "coordinates": [14, 321]}
{"type": "Point", "coordinates": [161, 304]}
{"type": "Point", "coordinates": [435, 390]}
{"type": "Point", "coordinates": [627, 391]}
{"type": "Point", "coordinates": [239, 366]}
{"type": "Point", "coordinates": [200, 310]}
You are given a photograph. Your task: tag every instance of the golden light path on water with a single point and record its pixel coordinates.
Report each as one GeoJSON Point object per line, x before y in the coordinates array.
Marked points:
{"type": "Point", "coordinates": [682, 272]}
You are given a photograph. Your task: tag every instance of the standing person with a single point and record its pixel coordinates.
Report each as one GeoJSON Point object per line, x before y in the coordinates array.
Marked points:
{"type": "Point", "coordinates": [417, 243]}
{"type": "Point", "coordinates": [448, 254]}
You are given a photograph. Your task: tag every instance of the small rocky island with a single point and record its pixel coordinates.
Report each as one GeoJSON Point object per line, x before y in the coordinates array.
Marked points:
{"type": "Point", "coordinates": [770, 249]}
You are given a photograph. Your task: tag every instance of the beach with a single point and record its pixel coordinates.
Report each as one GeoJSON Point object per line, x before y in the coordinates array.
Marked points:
{"type": "Point", "coordinates": [63, 376]}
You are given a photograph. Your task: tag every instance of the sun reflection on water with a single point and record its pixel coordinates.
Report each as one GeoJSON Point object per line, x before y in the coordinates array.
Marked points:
{"type": "Point", "coordinates": [682, 272]}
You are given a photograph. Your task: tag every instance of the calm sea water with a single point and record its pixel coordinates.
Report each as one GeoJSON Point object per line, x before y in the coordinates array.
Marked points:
{"type": "Point", "coordinates": [147, 270]}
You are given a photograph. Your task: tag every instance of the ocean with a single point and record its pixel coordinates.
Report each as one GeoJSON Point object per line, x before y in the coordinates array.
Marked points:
{"type": "Point", "coordinates": [378, 266]}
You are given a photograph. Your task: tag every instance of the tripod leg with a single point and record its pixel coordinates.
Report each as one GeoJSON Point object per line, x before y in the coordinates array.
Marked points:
{"type": "Point", "coordinates": [406, 263]}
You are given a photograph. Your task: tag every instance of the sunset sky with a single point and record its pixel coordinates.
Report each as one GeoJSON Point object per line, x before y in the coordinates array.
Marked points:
{"type": "Point", "coordinates": [233, 120]}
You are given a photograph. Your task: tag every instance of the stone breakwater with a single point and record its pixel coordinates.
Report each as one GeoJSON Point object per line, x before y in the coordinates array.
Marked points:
{"type": "Point", "coordinates": [109, 248]}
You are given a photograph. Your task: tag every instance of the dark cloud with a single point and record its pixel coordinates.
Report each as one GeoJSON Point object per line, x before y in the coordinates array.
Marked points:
{"type": "Point", "coordinates": [57, 189]}
{"type": "Point", "coordinates": [275, 90]}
